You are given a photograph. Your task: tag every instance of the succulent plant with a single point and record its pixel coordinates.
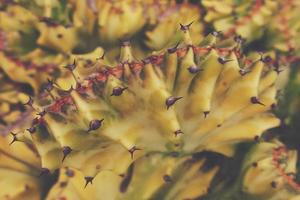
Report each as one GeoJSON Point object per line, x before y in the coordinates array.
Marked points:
{"type": "Point", "coordinates": [19, 171]}
{"type": "Point", "coordinates": [43, 36]}
{"type": "Point", "coordinates": [269, 172]}
{"type": "Point", "coordinates": [11, 108]}
{"type": "Point", "coordinates": [284, 29]}
{"type": "Point", "coordinates": [158, 118]}
{"type": "Point", "coordinates": [163, 109]}
{"type": "Point", "coordinates": [246, 18]}
{"type": "Point", "coordinates": [68, 25]}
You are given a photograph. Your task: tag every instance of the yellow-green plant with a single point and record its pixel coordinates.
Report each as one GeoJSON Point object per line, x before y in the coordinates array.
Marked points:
{"type": "Point", "coordinates": [128, 118]}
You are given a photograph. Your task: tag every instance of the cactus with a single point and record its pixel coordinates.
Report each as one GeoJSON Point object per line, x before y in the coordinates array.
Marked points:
{"type": "Point", "coordinates": [48, 25]}
{"type": "Point", "coordinates": [269, 172]}
{"type": "Point", "coordinates": [164, 109]}
{"type": "Point", "coordinates": [11, 115]}
{"type": "Point", "coordinates": [146, 125]}
{"type": "Point", "coordinates": [19, 171]}
{"type": "Point", "coordinates": [40, 37]}
{"type": "Point", "coordinates": [246, 18]}
{"type": "Point", "coordinates": [284, 30]}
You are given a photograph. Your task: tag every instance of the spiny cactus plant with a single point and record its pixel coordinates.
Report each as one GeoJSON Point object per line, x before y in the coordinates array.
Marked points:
{"type": "Point", "coordinates": [11, 108]}
{"type": "Point", "coordinates": [19, 171]}
{"type": "Point", "coordinates": [148, 118]}
{"type": "Point", "coordinates": [37, 37]}
{"type": "Point", "coordinates": [290, 107]}
{"type": "Point", "coordinates": [287, 24]}
{"type": "Point", "coordinates": [269, 172]}
{"type": "Point", "coordinates": [246, 18]}
{"type": "Point", "coordinates": [145, 127]}
{"type": "Point", "coordinates": [68, 26]}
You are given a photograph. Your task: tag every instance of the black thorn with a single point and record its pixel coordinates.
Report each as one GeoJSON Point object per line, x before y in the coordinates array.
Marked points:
{"type": "Point", "coordinates": [194, 69]}
{"type": "Point", "coordinates": [278, 71]}
{"type": "Point", "coordinates": [70, 89]}
{"type": "Point", "coordinates": [49, 85]}
{"type": "Point", "coordinates": [31, 129]}
{"type": "Point", "coordinates": [95, 124]}
{"type": "Point", "coordinates": [243, 72]}
{"type": "Point", "coordinates": [277, 68]}
{"type": "Point", "coordinates": [173, 49]}
{"type": "Point", "coordinates": [254, 164]}
{"type": "Point", "coordinates": [29, 102]}
{"type": "Point", "coordinates": [72, 66]}
{"type": "Point", "coordinates": [185, 27]}
{"type": "Point", "coordinates": [14, 138]}
{"type": "Point", "coordinates": [117, 91]}
{"type": "Point", "coordinates": [171, 100]}
{"type": "Point", "coordinates": [132, 150]}
{"type": "Point", "coordinates": [88, 179]}
{"type": "Point", "coordinates": [206, 113]}
{"type": "Point", "coordinates": [219, 125]}
{"type": "Point", "coordinates": [167, 178]}
{"type": "Point", "coordinates": [254, 100]}
{"type": "Point", "coordinates": [273, 184]}
{"type": "Point", "coordinates": [101, 57]}
{"type": "Point", "coordinates": [266, 59]}
{"type": "Point", "coordinates": [44, 171]}
{"type": "Point", "coordinates": [222, 60]}
{"type": "Point", "coordinates": [178, 132]}
{"type": "Point", "coordinates": [66, 151]}
{"type": "Point", "coordinates": [42, 114]}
